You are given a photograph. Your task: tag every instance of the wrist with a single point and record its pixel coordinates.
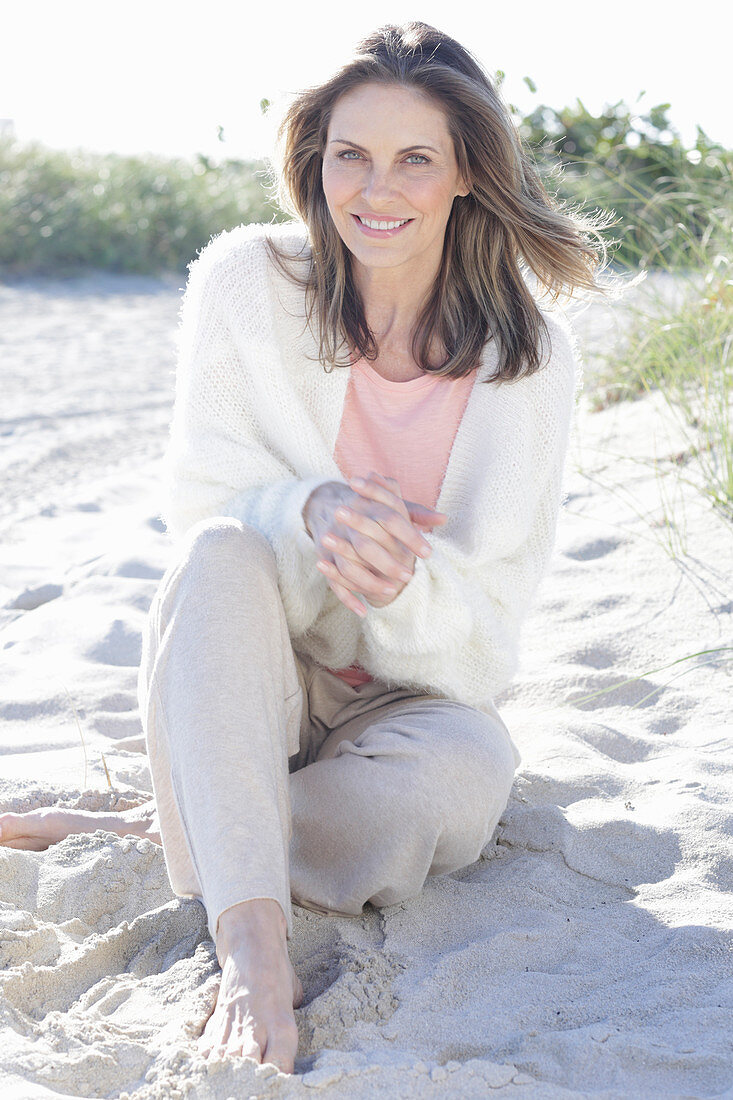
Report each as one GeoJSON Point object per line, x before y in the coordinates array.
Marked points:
{"type": "Point", "coordinates": [319, 504]}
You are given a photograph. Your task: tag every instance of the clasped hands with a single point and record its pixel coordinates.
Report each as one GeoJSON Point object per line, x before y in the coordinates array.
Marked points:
{"type": "Point", "coordinates": [367, 538]}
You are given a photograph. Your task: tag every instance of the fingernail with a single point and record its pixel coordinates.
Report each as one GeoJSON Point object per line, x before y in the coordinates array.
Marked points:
{"type": "Point", "coordinates": [425, 551]}
{"type": "Point", "coordinates": [358, 481]}
{"type": "Point", "coordinates": [405, 575]}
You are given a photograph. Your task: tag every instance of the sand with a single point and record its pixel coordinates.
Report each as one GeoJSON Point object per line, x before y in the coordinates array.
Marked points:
{"type": "Point", "coordinates": [586, 953]}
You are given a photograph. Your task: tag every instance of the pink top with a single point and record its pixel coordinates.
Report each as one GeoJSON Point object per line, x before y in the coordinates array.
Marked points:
{"type": "Point", "coordinates": [403, 430]}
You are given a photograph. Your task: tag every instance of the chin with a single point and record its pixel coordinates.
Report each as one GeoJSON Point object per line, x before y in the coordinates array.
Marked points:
{"type": "Point", "coordinates": [376, 258]}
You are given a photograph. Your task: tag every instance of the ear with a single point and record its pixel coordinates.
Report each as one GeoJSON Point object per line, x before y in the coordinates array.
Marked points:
{"type": "Point", "coordinates": [463, 189]}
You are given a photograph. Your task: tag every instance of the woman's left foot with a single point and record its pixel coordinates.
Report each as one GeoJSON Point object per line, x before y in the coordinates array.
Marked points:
{"type": "Point", "coordinates": [38, 829]}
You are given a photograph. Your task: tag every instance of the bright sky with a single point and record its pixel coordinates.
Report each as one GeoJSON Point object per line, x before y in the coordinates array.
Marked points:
{"type": "Point", "coordinates": [163, 75]}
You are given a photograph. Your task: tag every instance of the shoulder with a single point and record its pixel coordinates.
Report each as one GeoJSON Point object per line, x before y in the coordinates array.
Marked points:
{"type": "Point", "coordinates": [242, 255]}
{"type": "Point", "coordinates": [232, 277]}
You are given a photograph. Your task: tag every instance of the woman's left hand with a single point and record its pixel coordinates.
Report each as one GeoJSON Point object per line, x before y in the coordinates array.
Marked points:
{"type": "Point", "coordinates": [370, 554]}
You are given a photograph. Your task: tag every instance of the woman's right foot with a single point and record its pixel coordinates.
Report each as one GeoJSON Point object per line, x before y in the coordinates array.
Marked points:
{"type": "Point", "coordinates": [36, 830]}
{"type": "Point", "coordinates": [253, 1016]}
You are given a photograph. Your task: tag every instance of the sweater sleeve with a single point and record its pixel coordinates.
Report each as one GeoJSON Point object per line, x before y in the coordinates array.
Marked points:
{"type": "Point", "coordinates": [218, 462]}
{"type": "Point", "coordinates": [456, 623]}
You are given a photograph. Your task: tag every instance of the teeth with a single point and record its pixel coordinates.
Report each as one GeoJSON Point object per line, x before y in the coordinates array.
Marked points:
{"type": "Point", "coordinates": [381, 225]}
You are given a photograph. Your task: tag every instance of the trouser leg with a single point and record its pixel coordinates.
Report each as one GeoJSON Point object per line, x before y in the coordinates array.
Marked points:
{"type": "Point", "coordinates": [415, 789]}
{"type": "Point", "coordinates": [221, 701]}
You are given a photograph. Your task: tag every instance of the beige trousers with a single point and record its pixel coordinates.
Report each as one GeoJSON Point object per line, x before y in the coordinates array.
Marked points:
{"type": "Point", "coordinates": [272, 776]}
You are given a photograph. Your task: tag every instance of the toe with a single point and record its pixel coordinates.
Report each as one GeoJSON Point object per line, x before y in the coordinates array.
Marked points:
{"type": "Point", "coordinates": [249, 1049]}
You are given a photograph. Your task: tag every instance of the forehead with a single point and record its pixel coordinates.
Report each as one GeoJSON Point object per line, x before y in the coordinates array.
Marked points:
{"type": "Point", "coordinates": [408, 115]}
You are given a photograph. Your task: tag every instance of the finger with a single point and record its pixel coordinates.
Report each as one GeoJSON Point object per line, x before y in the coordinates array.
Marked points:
{"type": "Point", "coordinates": [374, 490]}
{"type": "Point", "coordinates": [328, 567]}
{"type": "Point", "coordinates": [352, 574]}
{"type": "Point", "coordinates": [397, 525]}
{"type": "Point", "coordinates": [347, 597]}
{"type": "Point", "coordinates": [371, 522]}
{"type": "Point", "coordinates": [372, 543]}
{"type": "Point", "coordinates": [391, 482]}
{"type": "Point", "coordinates": [350, 562]}
{"type": "Point", "coordinates": [419, 514]}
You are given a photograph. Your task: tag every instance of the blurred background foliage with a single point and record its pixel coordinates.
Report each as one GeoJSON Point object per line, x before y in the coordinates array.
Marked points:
{"type": "Point", "coordinates": [62, 212]}
{"type": "Point", "coordinates": [671, 201]}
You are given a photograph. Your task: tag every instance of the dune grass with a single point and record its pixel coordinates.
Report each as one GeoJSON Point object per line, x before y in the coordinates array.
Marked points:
{"type": "Point", "coordinates": [677, 341]}
{"type": "Point", "coordinates": [62, 212]}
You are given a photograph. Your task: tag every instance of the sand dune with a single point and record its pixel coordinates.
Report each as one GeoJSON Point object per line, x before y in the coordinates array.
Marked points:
{"type": "Point", "coordinates": [586, 953]}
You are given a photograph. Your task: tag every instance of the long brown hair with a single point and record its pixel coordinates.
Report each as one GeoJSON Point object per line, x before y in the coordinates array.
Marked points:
{"type": "Point", "coordinates": [508, 219]}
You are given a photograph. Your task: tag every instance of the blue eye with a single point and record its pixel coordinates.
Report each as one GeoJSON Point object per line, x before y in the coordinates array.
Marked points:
{"type": "Point", "coordinates": [347, 154]}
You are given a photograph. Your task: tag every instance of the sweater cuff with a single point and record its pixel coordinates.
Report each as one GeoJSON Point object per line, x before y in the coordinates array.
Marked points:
{"type": "Point", "coordinates": [280, 519]}
{"type": "Point", "coordinates": [294, 529]}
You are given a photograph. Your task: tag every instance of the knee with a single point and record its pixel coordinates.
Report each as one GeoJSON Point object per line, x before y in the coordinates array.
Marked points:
{"type": "Point", "coordinates": [467, 779]}
{"type": "Point", "coordinates": [470, 756]}
{"type": "Point", "coordinates": [219, 537]}
{"type": "Point", "coordinates": [208, 557]}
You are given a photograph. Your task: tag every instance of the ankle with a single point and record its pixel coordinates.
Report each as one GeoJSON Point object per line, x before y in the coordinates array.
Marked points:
{"type": "Point", "coordinates": [252, 920]}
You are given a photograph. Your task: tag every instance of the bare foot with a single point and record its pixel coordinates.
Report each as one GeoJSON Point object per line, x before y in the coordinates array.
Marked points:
{"type": "Point", "coordinates": [253, 1016]}
{"type": "Point", "coordinates": [38, 829]}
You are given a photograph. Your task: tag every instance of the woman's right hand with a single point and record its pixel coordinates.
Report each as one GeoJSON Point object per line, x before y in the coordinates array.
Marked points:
{"type": "Point", "coordinates": [393, 543]}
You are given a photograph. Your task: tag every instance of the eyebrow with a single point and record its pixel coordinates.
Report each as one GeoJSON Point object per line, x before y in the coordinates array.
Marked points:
{"type": "Point", "coordinates": [409, 149]}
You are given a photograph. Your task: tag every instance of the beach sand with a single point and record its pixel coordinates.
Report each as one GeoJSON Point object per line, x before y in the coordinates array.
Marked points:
{"type": "Point", "coordinates": [586, 953]}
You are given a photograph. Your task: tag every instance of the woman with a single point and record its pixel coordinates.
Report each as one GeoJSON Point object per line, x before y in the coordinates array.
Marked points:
{"type": "Point", "coordinates": [320, 660]}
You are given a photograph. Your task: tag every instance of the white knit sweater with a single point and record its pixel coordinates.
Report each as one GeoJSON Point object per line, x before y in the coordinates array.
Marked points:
{"type": "Point", "coordinates": [254, 427]}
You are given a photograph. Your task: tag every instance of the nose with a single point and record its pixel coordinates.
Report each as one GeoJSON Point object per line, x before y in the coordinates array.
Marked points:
{"type": "Point", "coordinates": [378, 187]}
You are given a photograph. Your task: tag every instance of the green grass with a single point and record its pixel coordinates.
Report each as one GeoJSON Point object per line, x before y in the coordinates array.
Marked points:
{"type": "Point", "coordinates": [679, 344]}
{"type": "Point", "coordinates": [683, 351]}
{"type": "Point", "coordinates": [62, 212]}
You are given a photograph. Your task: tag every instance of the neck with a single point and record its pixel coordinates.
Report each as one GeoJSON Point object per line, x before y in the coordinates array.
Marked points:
{"type": "Point", "coordinates": [392, 299]}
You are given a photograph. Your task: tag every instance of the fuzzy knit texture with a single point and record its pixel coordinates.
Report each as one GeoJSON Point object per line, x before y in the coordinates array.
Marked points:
{"type": "Point", "coordinates": [254, 428]}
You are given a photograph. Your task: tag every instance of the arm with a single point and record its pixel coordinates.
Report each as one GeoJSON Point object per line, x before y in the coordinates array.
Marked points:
{"type": "Point", "coordinates": [218, 460]}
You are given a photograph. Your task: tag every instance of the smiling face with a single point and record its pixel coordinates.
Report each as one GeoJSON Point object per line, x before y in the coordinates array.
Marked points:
{"type": "Point", "coordinates": [390, 176]}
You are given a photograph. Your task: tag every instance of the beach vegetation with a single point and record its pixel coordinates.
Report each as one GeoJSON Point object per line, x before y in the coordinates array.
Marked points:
{"type": "Point", "coordinates": [677, 337]}
{"type": "Point", "coordinates": [63, 212]}
{"type": "Point", "coordinates": [637, 165]}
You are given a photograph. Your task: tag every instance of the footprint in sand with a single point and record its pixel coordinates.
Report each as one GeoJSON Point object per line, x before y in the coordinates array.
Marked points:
{"type": "Point", "coordinates": [589, 551]}
{"type": "Point", "coordinates": [138, 569]}
{"type": "Point", "coordinates": [120, 646]}
{"type": "Point", "coordinates": [32, 598]}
